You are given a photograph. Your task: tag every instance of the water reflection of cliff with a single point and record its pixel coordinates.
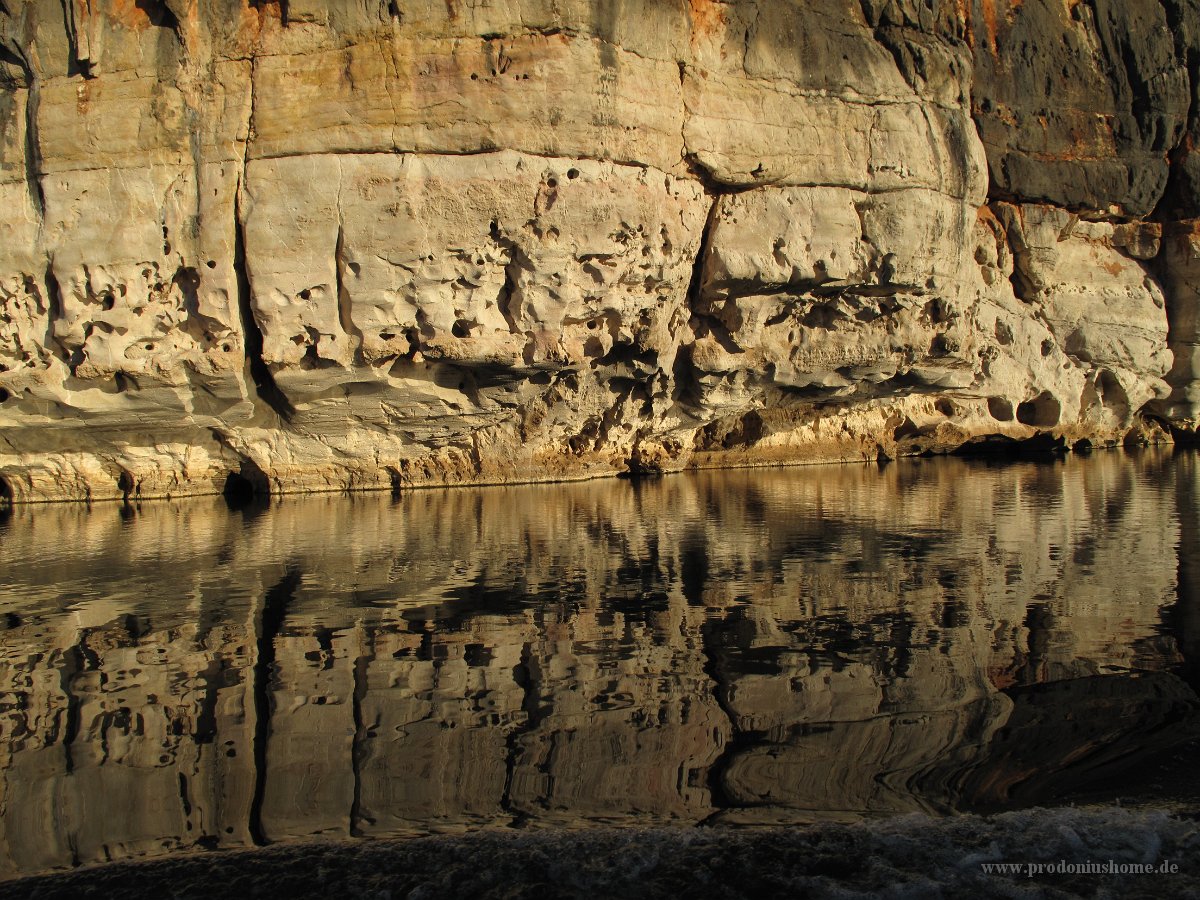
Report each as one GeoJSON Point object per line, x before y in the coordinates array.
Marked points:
{"type": "Point", "coordinates": [744, 647]}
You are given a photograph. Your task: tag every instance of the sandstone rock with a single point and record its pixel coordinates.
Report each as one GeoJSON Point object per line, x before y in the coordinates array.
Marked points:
{"type": "Point", "coordinates": [1079, 103]}
{"type": "Point", "coordinates": [1181, 261]}
{"type": "Point", "coordinates": [326, 246]}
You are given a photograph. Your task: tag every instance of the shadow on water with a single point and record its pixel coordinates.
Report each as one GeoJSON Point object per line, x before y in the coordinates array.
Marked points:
{"type": "Point", "coordinates": [726, 648]}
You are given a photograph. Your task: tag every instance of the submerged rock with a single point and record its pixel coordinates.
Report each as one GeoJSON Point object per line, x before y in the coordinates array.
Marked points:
{"type": "Point", "coordinates": [320, 246]}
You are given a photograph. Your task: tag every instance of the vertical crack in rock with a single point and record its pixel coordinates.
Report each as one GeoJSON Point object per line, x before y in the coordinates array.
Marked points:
{"type": "Point", "coordinates": [80, 62]}
{"type": "Point", "coordinates": [53, 302]}
{"type": "Point", "coordinates": [360, 750]}
{"type": "Point", "coordinates": [274, 611]}
{"type": "Point", "coordinates": [508, 291]}
{"type": "Point", "coordinates": [33, 147]}
{"type": "Point", "coordinates": [252, 337]}
{"type": "Point", "coordinates": [683, 371]}
{"type": "Point", "coordinates": [344, 306]}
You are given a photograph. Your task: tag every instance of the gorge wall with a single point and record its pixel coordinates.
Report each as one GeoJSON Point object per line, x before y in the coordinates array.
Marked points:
{"type": "Point", "coordinates": [312, 244]}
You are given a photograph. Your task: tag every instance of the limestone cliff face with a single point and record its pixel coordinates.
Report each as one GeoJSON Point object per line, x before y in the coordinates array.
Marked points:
{"type": "Point", "coordinates": [326, 244]}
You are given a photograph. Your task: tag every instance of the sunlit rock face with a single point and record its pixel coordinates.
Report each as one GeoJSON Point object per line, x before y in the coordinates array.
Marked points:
{"type": "Point", "coordinates": [320, 245]}
{"type": "Point", "coordinates": [811, 644]}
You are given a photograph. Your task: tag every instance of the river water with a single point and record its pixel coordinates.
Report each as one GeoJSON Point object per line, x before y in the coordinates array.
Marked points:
{"type": "Point", "coordinates": [744, 647]}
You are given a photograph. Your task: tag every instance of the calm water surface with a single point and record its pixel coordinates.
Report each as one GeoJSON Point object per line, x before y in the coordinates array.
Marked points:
{"type": "Point", "coordinates": [741, 647]}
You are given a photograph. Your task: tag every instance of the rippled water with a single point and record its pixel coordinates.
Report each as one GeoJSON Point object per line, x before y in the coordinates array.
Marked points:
{"type": "Point", "coordinates": [740, 647]}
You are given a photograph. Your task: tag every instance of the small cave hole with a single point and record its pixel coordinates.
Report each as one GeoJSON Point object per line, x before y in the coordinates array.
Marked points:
{"type": "Point", "coordinates": [212, 263]}
{"type": "Point", "coordinates": [107, 302]}
{"type": "Point", "coordinates": [474, 76]}
{"type": "Point", "coordinates": [572, 174]}
{"type": "Point", "coordinates": [166, 248]}
{"type": "Point", "coordinates": [461, 329]}
{"type": "Point", "coordinates": [945, 407]}
{"type": "Point", "coordinates": [552, 182]}
{"type": "Point", "coordinates": [386, 335]}
{"type": "Point", "coordinates": [226, 348]}
{"type": "Point", "coordinates": [1000, 409]}
{"type": "Point", "coordinates": [6, 491]}
{"type": "Point", "coordinates": [245, 487]}
{"type": "Point", "coordinates": [305, 294]}
{"type": "Point", "coordinates": [1043, 411]}
{"type": "Point", "coordinates": [4, 395]}
{"type": "Point", "coordinates": [125, 484]}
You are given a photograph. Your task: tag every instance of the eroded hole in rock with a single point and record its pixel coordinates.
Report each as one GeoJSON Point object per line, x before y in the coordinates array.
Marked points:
{"type": "Point", "coordinates": [731, 434]}
{"type": "Point", "coordinates": [945, 407]}
{"type": "Point", "coordinates": [572, 174]}
{"type": "Point", "coordinates": [244, 487]}
{"type": "Point", "coordinates": [4, 395]}
{"type": "Point", "coordinates": [1043, 411]}
{"type": "Point", "coordinates": [125, 484]}
{"type": "Point", "coordinates": [305, 294]}
{"type": "Point", "coordinates": [1000, 409]}
{"type": "Point", "coordinates": [461, 329]}
{"type": "Point", "coordinates": [1112, 394]}
{"type": "Point", "coordinates": [396, 480]}
{"type": "Point", "coordinates": [212, 263]}
{"type": "Point", "coordinates": [6, 491]}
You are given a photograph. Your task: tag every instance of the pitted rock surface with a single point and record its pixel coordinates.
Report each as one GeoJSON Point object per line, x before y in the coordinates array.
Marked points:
{"type": "Point", "coordinates": [314, 245]}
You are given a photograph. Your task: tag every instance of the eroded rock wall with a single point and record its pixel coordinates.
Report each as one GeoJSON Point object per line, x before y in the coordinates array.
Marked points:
{"type": "Point", "coordinates": [325, 245]}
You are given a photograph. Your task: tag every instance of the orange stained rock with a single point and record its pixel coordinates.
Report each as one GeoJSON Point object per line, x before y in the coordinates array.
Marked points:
{"type": "Point", "coordinates": [130, 13]}
{"type": "Point", "coordinates": [707, 16]}
{"type": "Point", "coordinates": [989, 23]}
{"type": "Point", "coordinates": [962, 9]}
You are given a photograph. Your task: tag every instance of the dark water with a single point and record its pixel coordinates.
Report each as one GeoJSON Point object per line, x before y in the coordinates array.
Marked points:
{"type": "Point", "coordinates": [741, 647]}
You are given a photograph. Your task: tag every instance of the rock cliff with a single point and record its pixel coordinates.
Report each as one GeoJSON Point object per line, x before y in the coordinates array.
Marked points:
{"type": "Point", "coordinates": [330, 244]}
